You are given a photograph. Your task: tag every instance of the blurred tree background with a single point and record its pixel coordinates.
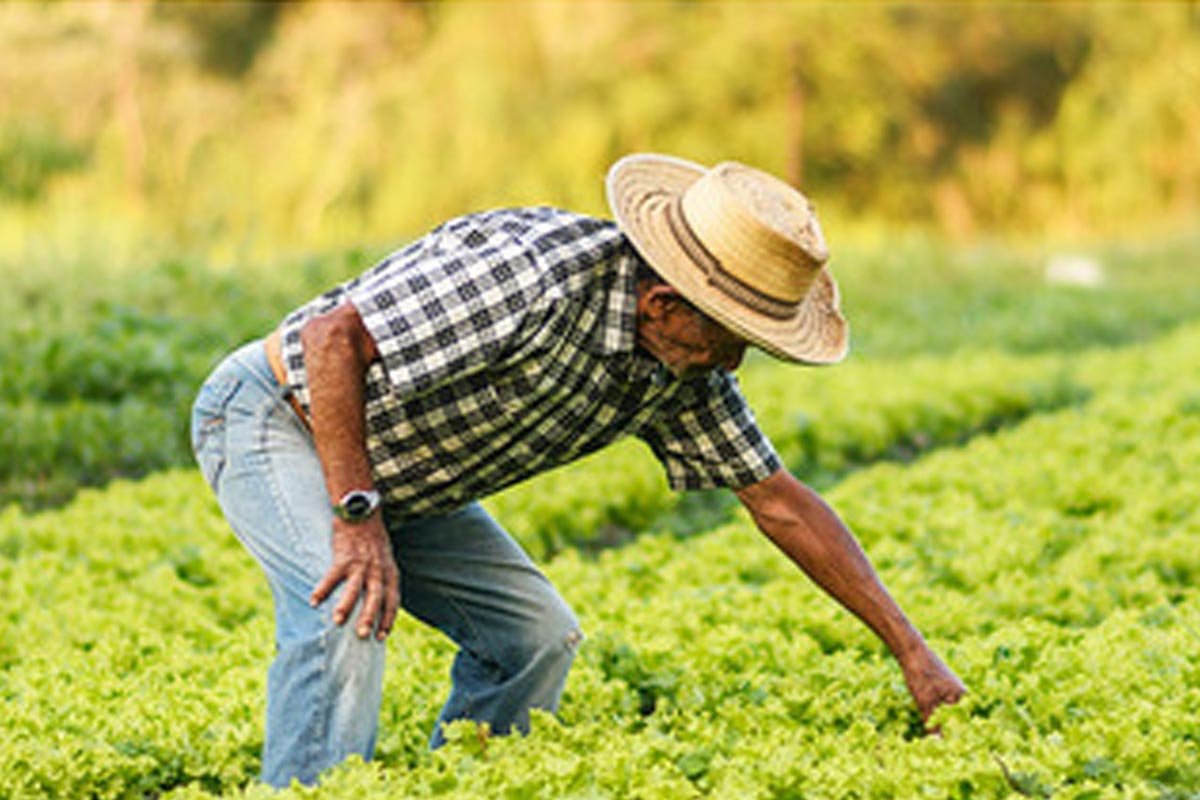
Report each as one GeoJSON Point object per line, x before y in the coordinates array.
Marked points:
{"type": "Point", "coordinates": [245, 130]}
{"type": "Point", "coordinates": [175, 176]}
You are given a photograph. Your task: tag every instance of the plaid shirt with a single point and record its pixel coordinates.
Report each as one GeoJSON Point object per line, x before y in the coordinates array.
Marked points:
{"type": "Point", "coordinates": [508, 347]}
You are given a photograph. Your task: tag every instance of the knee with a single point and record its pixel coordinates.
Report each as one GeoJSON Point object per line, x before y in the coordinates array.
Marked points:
{"type": "Point", "coordinates": [354, 659]}
{"type": "Point", "coordinates": [311, 632]}
{"type": "Point", "coordinates": [563, 643]}
{"type": "Point", "coordinates": [337, 652]}
{"type": "Point", "coordinates": [550, 641]}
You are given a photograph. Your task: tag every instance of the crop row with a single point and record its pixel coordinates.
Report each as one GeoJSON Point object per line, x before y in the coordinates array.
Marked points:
{"type": "Point", "coordinates": [95, 340]}
{"type": "Point", "coordinates": [79, 408]}
{"type": "Point", "coordinates": [1053, 564]}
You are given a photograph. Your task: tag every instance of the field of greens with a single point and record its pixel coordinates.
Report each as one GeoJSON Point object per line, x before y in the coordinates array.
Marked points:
{"type": "Point", "coordinates": [1014, 437]}
{"type": "Point", "coordinates": [1017, 457]}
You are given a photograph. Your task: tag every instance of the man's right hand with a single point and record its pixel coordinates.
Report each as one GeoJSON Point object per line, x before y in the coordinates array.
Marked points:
{"type": "Point", "coordinates": [363, 559]}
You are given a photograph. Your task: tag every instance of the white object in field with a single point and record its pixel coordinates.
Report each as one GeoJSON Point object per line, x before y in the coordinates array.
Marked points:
{"type": "Point", "coordinates": [1075, 270]}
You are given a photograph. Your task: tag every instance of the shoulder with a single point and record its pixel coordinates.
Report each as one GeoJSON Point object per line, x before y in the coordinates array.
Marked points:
{"type": "Point", "coordinates": [537, 237]}
{"type": "Point", "coordinates": [564, 252]}
{"type": "Point", "coordinates": [542, 229]}
{"type": "Point", "coordinates": [509, 260]}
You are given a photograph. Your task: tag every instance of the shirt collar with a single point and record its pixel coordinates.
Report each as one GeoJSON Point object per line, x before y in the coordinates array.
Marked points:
{"type": "Point", "coordinates": [618, 325]}
{"type": "Point", "coordinates": [617, 334]}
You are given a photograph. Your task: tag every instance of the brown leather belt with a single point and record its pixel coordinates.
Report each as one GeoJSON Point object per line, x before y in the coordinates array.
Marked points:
{"type": "Point", "coordinates": [274, 348]}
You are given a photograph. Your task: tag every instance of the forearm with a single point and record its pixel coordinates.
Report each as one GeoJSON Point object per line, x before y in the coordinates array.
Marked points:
{"type": "Point", "coordinates": [811, 534]}
{"type": "Point", "coordinates": [808, 531]}
{"type": "Point", "coordinates": [337, 353]}
{"type": "Point", "coordinates": [336, 367]}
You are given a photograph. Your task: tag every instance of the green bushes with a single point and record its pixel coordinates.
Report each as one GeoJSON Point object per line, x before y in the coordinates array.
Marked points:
{"type": "Point", "coordinates": [51, 449]}
{"type": "Point", "coordinates": [98, 373]}
{"type": "Point", "coordinates": [79, 408]}
{"type": "Point", "coordinates": [30, 157]}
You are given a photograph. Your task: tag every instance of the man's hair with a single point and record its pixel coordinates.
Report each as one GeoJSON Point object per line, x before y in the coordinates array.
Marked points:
{"type": "Point", "coordinates": [646, 273]}
{"type": "Point", "coordinates": [648, 277]}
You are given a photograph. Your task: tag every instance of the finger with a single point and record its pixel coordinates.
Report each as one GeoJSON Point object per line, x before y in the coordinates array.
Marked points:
{"type": "Point", "coordinates": [350, 594]}
{"type": "Point", "coordinates": [333, 577]}
{"type": "Point", "coordinates": [370, 608]}
{"type": "Point", "coordinates": [391, 604]}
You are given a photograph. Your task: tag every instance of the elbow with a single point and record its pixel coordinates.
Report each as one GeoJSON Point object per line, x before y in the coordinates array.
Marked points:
{"type": "Point", "coordinates": [322, 334]}
{"type": "Point", "coordinates": [338, 333]}
{"type": "Point", "coordinates": [778, 502]}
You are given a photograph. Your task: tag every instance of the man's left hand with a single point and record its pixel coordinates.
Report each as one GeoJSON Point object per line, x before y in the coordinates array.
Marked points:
{"type": "Point", "coordinates": [931, 682]}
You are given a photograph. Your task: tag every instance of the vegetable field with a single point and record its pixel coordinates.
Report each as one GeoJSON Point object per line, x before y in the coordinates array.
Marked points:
{"type": "Point", "coordinates": [1018, 459]}
{"type": "Point", "coordinates": [1010, 196]}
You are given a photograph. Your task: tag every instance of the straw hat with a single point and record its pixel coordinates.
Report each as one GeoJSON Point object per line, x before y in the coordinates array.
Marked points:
{"type": "Point", "coordinates": [741, 245]}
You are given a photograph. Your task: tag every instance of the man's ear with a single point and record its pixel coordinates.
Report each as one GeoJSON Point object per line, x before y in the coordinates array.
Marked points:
{"type": "Point", "coordinates": [658, 300]}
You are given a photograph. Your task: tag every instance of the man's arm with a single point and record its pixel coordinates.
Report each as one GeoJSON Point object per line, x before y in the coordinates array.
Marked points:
{"type": "Point", "coordinates": [337, 352]}
{"type": "Point", "coordinates": [808, 531]}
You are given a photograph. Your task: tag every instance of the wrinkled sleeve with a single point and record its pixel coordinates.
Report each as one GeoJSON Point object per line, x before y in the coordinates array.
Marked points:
{"type": "Point", "coordinates": [712, 441]}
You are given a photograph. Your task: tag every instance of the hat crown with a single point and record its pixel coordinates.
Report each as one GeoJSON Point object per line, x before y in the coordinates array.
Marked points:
{"type": "Point", "coordinates": [761, 231]}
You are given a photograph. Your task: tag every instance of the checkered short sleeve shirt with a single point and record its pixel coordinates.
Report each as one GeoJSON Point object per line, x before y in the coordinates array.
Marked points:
{"type": "Point", "coordinates": [507, 343]}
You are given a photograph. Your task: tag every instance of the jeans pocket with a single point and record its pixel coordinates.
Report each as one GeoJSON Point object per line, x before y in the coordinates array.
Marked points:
{"type": "Point", "coordinates": [208, 426]}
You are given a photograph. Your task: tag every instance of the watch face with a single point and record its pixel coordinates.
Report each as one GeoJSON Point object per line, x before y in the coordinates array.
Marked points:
{"type": "Point", "coordinates": [358, 505]}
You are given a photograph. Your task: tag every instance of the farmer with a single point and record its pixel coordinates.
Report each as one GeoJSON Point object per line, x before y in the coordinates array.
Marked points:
{"type": "Point", "coordinates": [348, 451]}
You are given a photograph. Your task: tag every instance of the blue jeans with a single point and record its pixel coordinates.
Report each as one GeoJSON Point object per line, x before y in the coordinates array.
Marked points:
{"type": "Point", "coordinates": [461, 573]}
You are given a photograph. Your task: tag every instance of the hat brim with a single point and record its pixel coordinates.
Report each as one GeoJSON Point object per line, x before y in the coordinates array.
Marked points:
{"type": "Point", "coordinates": [641, 188]}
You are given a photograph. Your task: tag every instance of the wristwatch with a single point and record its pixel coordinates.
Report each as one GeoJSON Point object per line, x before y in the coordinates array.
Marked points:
{"type": "Point", "coordinates": [357, 505]}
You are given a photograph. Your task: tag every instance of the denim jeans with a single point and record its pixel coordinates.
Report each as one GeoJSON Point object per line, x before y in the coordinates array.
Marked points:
{"type": "Point", "coordinates": [461, 573]}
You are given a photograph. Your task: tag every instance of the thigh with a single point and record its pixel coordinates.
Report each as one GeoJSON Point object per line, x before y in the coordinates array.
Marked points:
{"type": "Point", "coordinates": [272, 491]}
{"type": "Point", "coordinates": [466, 576]}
